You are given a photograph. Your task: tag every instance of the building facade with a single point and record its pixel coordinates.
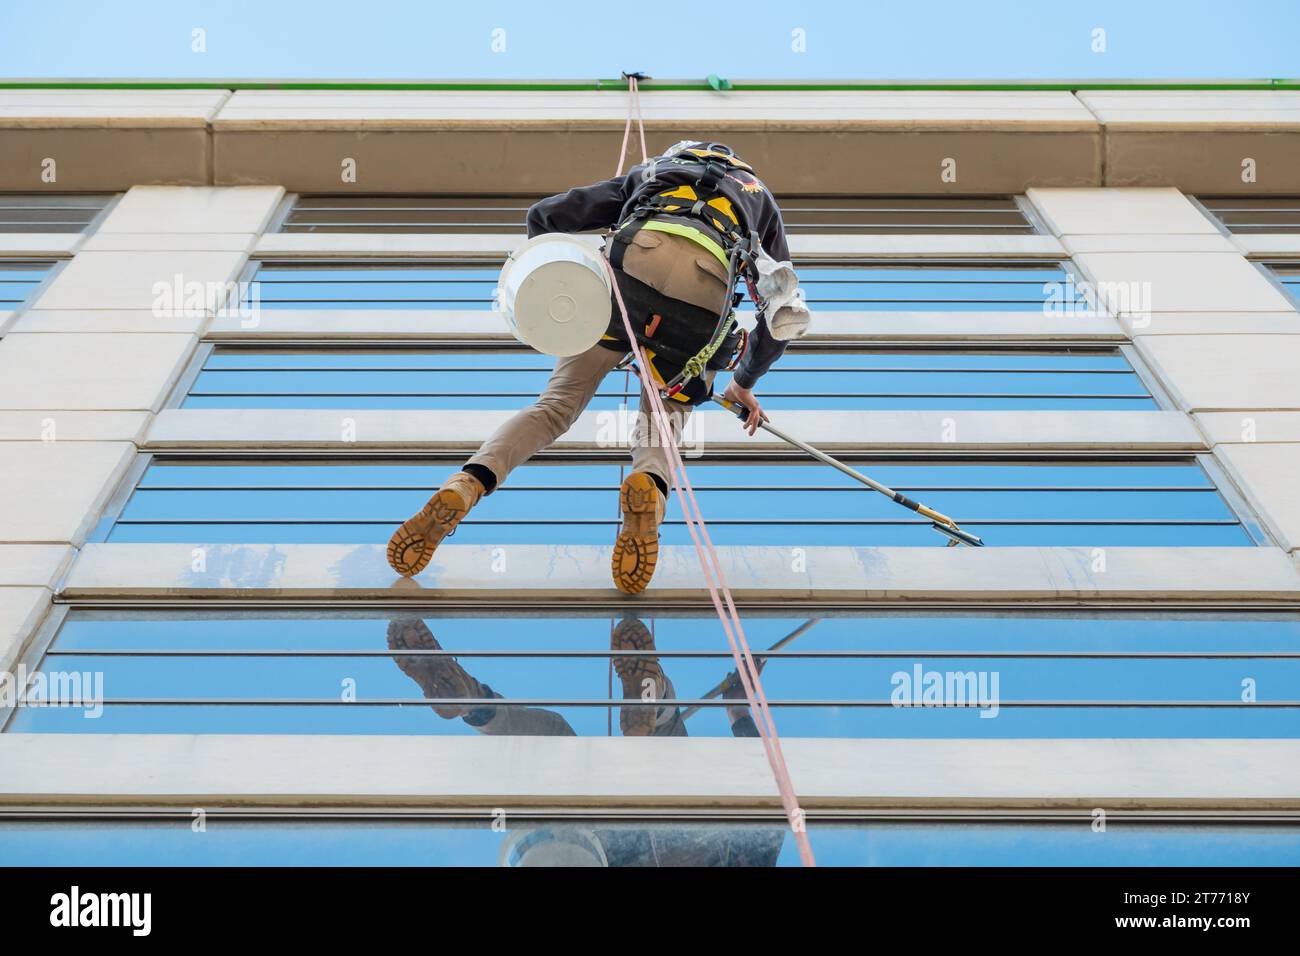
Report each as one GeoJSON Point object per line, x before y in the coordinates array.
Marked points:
{"type": "Point", "coordinates": [245, 332]}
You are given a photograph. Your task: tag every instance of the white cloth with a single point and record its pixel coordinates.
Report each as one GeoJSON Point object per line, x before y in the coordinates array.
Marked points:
{"type": "Point", "coordinates": [778, 288]}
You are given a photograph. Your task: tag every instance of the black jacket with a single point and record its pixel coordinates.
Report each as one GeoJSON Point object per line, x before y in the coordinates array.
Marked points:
{"type": "Point", "coordinates": [602, 205]}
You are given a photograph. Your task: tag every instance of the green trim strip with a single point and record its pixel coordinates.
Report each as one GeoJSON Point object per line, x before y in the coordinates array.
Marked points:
{"type": "Point", "coordinates": [618, 85]}
{"type": "Point", "coordinates": [689, 232]}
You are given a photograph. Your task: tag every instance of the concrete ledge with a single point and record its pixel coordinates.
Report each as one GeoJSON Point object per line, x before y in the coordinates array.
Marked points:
{"type": "Point", "coordinates": [707, 431]}
{"type": "Point", "coordinates": [133, 109]}
{"type": "Point", "coordinates": [91, 371]}
{"type": "Point", "coordinates": [468, 573]}
{"type": "Point", "coordinates": [1149, 243]}
{"type": "Point", "coordinates": [1249, 426]}
{"type": "Point", "coordinates": [1205, 323]}
{"type": "Point", "coordinates": [241, 242]}
{"type": "Point", "coordinates": [1196, 140]}
{"type": "Point", "coordinates": [251, 110]}
{"type": "Point", "coordinates": [406, 141]}
{"type": "Point", "coordinates": [1177, 282]}
{"type": "Point", "coordinates": [1268, 475]}
{"type": "Point", "coordinates": [906, 161]}
{"type": "Point", "coordinates": [195, 211]}
{"type": "Point", "coordinates": [356, 771]}
{"type": "Point", "coordinates": [54, 491]}
{"type": "Point", "coordinates": [291, 325]}
{"type": "Point", "coordinates": [109, 320]}
{"type": "Point", "coordinates": [352, 245]}
{"type": "Point", "coordinates": [33, 565]}
{"type": "Point", "coordinates": [21, 611]}
{"type": "Point", "coordinates": [131, 279]}
{"type": "Point", "coordinates": [1205, 161]}
{"type": "Point", "coordinates": [1209, 373]}
{"type": "Point", "coordinates": [39, 244]}
{"type": "Point", "coordinates": [47, 425]}
{"type": "Point", "coordinates": [1118, 213]}
{"type": "Point", "coordinates": [105, 140]}
{"type": "Point", "coordinates": [1268, 244]}
{"type": "Point", "coordinates": [105, 156]}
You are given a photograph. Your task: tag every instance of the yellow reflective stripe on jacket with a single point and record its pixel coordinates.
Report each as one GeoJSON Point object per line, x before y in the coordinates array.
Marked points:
{"type": "Point", "coordinates": [690, 232]}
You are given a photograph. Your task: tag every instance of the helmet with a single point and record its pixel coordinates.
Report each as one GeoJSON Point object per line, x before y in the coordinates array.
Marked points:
{"type": "Point", "coordinates": [707, 150]}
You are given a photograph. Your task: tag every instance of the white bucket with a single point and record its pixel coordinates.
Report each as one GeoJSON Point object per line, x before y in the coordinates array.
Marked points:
{"type": "Point", "coordinates": [555, 294]}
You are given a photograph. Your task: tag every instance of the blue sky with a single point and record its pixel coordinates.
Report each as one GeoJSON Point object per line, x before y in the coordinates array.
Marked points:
{"type": "Point", "coordinates": [415, 39]}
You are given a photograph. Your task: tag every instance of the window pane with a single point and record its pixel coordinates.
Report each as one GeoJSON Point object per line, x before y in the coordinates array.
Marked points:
{"type": "Point", "coordinates": [1289, 275]}
{"type": "Point", "coordinates": [1276, 214]}
{"type": "Point", "coordinates": [19, 279]}
{"type": "Point", "coordinates": [824, 215]}
{"type": "Point", "coordinates": [538, 672]}
{"type": "Point", "coordinates": [835, 285]}
{"type": "Point", "coordinates": [648, 842]}
{"type": "Point", "coordinates": [28, 213]}
{"type": "Point", "coordinates": [1038, 502]}
{"type": "Point", "coordinates": [442, 377]}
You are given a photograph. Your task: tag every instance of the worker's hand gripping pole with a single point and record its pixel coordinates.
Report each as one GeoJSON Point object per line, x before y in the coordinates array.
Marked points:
{"type": "Point", "coordinates": [939, 521]}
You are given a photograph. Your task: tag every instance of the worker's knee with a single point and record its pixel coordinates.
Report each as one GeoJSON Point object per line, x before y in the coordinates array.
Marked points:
{"type": "Point", "coordinates": [557, 413]}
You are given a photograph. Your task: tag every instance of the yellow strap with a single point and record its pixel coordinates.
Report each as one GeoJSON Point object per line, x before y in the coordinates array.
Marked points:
{"type": "Point", "coordinates": [723, 204]}
{"type": "Point", "coordinates": [690, 232]}
{"type": "Point", "coordinates": [681, 192]}
{"type": "Point", "coordinates": [659, 379]}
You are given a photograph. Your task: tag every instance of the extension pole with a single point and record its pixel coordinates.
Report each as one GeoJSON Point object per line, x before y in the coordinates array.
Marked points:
{"type": "Point", "coordinates": [941, 522]}
{"type": "Point", "coordinates": [726, 682]}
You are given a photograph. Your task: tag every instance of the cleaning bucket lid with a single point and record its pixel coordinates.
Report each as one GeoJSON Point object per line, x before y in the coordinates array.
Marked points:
{"type": "Point", "coordinates": [555, 294]}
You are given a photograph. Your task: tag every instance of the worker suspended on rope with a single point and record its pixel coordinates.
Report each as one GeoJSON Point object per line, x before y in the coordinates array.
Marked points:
{"type": "Point", "coordinates": [684, 228]}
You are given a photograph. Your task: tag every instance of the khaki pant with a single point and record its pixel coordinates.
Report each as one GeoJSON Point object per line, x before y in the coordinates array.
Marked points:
{"type": "Point", "coordinates": [674, 266]}
{"type": "Point", "coordinates": [570, 389]}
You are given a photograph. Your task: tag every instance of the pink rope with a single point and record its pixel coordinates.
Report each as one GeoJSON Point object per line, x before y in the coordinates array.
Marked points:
{"type": "Point", "coordinates": [710, 563]}
{"type": "Point", "coordinates": [633, 102]}
{"type": "Point", "coordinates": [719, 592]}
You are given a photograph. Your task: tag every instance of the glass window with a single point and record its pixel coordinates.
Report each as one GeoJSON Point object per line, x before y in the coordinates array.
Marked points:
{"type": "Point", "coordinates": [19, 279]}
{"type": "Point", "coordinates": [1087, 502]}
{"type": "Point", "coordinates": [27, 213]}
{"type": "Point", "coordinates": [596, 841]}
{"type": "Point", "coordinates": [807, 377]}
{"type": "Point", "coordinates": [543, 671]}
{"type": "Point", "coordinates": [1266, 214]}
{"type": "Point", "coordinates": [820, 215]}
{"type": "Point", "coordinates": [829, 285]}
{"type": "Point", "coordinates": [1288, 274]}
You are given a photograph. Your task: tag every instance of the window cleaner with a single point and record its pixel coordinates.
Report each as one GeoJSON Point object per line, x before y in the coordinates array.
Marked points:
{"type": "Point", "coordinates": [682, 229]}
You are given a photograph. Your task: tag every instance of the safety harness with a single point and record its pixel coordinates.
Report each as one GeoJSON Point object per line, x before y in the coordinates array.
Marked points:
{"type": "Point", "coordinates": [692, 339]}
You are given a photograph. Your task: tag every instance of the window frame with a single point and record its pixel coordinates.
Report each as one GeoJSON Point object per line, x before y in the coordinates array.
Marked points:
{"type": "Point", "coordinates": [1220, 480]}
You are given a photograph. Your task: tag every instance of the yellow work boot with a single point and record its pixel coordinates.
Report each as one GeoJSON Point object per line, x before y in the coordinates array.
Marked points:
{"type": "Point", "coordinates": [439, 677]}
{"type": "Point", "coordinates": [639, 674]}
{"type": "Point", "coordinates": [637, 549]}
{"type": "Point", "coordinates": [412, 545]}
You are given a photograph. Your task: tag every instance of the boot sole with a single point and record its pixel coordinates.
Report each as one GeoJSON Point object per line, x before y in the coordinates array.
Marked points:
{"type": "Point", "coordinates": [409, 549]}
{"type": "Point", "coordinates": [636, 550]}
{"type": "Point", "coordinates": [635, 721]}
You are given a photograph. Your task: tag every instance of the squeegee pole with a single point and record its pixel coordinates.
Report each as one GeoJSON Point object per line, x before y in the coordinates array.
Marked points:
{"type": "Point", "coordinates": [942, 521]}
{"type": "Point", "coordinates": [721, 686]}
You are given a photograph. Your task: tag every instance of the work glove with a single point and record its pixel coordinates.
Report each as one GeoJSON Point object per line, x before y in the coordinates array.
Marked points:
{"type": "Point", "coordinates": [778, 289]}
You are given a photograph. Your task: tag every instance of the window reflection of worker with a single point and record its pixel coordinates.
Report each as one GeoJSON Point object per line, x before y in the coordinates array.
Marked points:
{"type": "Point", "coordinates": [677, 219]}
{"type": "Point", "coordinates": [442, 677]}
